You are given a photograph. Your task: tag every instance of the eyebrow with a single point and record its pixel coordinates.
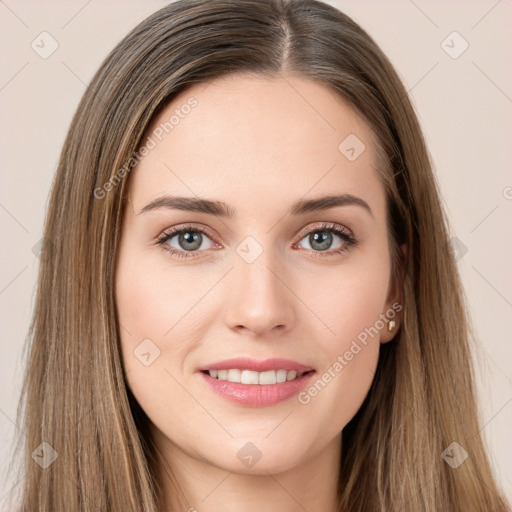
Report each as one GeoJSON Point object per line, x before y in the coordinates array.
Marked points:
{"type": "Point", "coordinates": [221, 209]}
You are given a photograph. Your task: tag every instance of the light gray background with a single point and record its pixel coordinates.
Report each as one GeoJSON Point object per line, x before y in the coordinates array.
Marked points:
{"type": "Point", "coordinates": [464, 105]}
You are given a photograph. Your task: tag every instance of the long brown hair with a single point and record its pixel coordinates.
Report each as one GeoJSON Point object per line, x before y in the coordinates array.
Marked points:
{"type": "Point", "coordinates": [75, 396]}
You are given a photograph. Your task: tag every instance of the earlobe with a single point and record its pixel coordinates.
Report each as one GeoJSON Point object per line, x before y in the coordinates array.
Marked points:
{"type": "Point", "coordinates": [389, 331]}
{"type": "Point", "coordinates": [395, 303]}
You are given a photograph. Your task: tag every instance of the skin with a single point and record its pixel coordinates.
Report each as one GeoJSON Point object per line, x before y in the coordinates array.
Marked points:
{"type": "Point", "coordinates": [257, 144]}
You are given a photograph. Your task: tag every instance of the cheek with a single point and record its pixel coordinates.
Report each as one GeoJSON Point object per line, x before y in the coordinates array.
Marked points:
{"type": "Point", "coordinates": [153, 339]}
{"type": "Point", "coordinates": [352, 312]}
{"type": "Point", "coordinates": [141, 305]}
{"type": "Point", "coordinates": [140, 308]}
{"type": "Point", "coordinates": [152, 298]}
{"type": "Point", "coordinates": [351, 301]}
{"type": "Point", "coordinates": [162, 311]}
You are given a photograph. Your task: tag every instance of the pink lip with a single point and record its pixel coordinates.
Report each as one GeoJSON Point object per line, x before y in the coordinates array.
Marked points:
{"type": "Point", "coordinates": [256, 395]}
{"type": "Point", "coordinates": [245, 363]}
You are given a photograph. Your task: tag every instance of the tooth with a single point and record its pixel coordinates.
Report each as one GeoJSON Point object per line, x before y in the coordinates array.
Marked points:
{"type": "Point", "coordinates": [253, 377]}
{"type": "Point", "coordinates": [267, 377]}
{"type": "Point", "coordinates": [291, 375]}
{"type": "Point", "coordinates": [234, 375]}
{"type": "Point", "coordinates": [281, 376]}
{"type": "Point", "coordinates": [249, 377]}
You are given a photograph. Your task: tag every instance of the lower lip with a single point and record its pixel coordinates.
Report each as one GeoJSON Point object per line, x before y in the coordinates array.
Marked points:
{"type": "Point", "coordinates": [257, 395]}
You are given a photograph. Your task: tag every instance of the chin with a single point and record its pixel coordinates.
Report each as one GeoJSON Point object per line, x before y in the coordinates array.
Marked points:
{"type": "Point", "coordinates": [251, 458]}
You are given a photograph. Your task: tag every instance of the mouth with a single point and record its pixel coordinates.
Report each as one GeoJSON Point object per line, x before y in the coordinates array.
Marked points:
{"type": "Point", "coordinates": [251, 383]}
{"type": "Point", "coordinates": [265, 378]}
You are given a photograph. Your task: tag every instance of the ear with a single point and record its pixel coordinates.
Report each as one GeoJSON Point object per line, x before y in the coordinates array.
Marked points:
{"type": "Point", "coordinates": [394, 304]}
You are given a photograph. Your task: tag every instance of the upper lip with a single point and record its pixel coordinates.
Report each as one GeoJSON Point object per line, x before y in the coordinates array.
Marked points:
{"type": "Point", "coordinates": [246, 363]}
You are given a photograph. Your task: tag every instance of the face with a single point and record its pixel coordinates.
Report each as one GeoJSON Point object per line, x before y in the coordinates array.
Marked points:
{"type": "Point", "coordinates": [270, 280]}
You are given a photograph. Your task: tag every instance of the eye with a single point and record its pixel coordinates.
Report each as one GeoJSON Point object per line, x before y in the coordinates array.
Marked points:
{"type": "Point", "coordinates": [322, 237]}
{"type": "Point", "coordinates": [188, 240]}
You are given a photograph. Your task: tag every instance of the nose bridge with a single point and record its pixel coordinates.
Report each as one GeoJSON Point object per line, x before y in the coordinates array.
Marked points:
{"type": "Point", "coordinates": [259, 300]}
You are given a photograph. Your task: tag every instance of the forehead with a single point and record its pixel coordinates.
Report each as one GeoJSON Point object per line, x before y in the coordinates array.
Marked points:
{"type": "Point", "coordinates": [245, 136]}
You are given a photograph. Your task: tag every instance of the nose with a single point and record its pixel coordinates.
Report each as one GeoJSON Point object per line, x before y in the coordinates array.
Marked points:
{"type": "Point", "coordinates": [261, 300]}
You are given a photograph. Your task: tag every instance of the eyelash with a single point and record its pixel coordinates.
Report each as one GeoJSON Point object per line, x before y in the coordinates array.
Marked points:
{"type": "Point", "coordinates": [348, 239]}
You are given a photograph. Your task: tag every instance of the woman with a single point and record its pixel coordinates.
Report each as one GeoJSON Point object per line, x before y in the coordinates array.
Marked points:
{"type": "Point", "coordinates": [249, 300]}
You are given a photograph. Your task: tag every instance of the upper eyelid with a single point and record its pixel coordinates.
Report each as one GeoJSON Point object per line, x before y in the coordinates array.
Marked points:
{"type": "Point", "coordinates": [326, 225]}
{"type": "Point", "coordinates": [172, 232]}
